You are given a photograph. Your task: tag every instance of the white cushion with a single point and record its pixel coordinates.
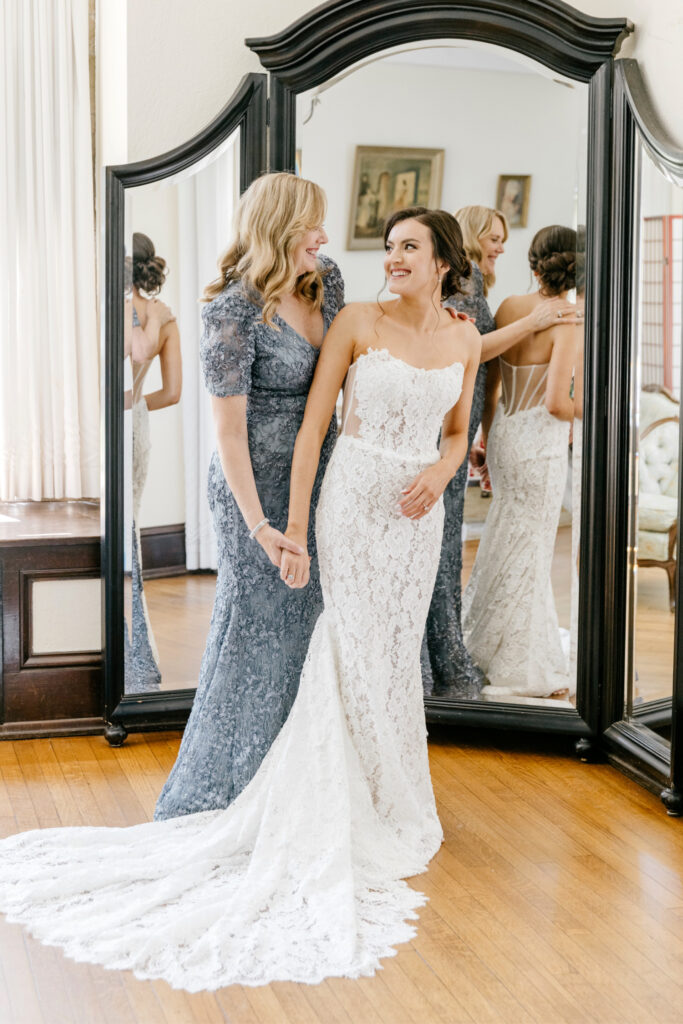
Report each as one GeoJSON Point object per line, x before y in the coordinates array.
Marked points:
{"type": "Point", "coordinates": [655, 406]}
{"type": "Point", "coordinates": [653, 545]}
{"type": "Point", "coordinates": [656, 512]}
{"type": "Point", "coordinates": [658, 462]}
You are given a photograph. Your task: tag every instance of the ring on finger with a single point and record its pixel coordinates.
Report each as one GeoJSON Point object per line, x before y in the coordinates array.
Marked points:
{"type": "Point", "coordinates": [290, 576]}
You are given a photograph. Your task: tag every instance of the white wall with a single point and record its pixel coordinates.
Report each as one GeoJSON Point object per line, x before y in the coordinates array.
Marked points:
{"type": "Point", "coordinates": [185, 60]}
{"type": "Point", "coordinates": [487, 122]}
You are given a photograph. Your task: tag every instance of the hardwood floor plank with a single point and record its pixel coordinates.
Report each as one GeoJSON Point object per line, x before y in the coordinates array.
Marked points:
{"type": "Point", "coordinates": [23, 811]}
{"type": "Point", "coordinates": [498, 874]}
{"type": "Point", "coordinates": [177, 1006]}
{"type": "Point", "coordinates": [266, 1005]}
{"type": "Point", "coordinates": [22, 993]}
{"type": "Point", "coordinates": [53, 995]}
{"type": "Point", "coordinates": [293, 1002]}
{"type": "Point", "coordinates": [443, 1004]}
{"type": "Point", "coordinates": [143, 999]}
{"type": "Point", "coordinates": [354, 1001]}
{"type": "Point", "coordinates": [559, 888]}
{"type": "Point", "coordinates": [324, 1002]}
{"type": "Point", "coordinates": [234, 1003]}
{"type": "Point", "coordinates": [385, 1003]}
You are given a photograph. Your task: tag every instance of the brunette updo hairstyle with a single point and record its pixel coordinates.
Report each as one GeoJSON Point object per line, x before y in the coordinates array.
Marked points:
{"type": "Point", "coordinates": [149, 270]}
{"type": "Point", "coordinates": [446, 240]}
{"type": "Point", "coordinates": [552, 255]}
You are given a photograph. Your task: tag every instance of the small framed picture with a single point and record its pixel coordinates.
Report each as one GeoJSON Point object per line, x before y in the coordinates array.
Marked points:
{"type": "Point", "coordinates": [386, 179]}
{"type": "Point", "coordinates": [512, 198]}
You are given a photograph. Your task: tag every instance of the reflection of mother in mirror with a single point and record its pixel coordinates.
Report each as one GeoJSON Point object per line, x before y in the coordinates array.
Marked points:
{"type": "Point", "coordinates": [264, 322]}
{"type": "Point", "coordinates": [447, 667]}
{"type": "Point", "coordinates": [154, 333]}
{"type": "Point", "coordinates": [510, 621]}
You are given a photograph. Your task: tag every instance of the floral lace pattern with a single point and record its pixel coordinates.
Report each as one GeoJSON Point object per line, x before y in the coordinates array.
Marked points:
{"type": "Point", "coordinates": [141, 658]}
{"type": "Point", "coordinates": [301, 877]}
{"type": "Point", "coordinates": [510, 621]}
{"type": "Point", "coordinates": [447, 666]}
{"type": "Point", "coordinates": [260, 630]}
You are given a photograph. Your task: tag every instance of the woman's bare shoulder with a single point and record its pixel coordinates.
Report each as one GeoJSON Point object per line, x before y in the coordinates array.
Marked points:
{"type": "Point", "coordinates": [513, 308]}
{"type": "Point", "coordinates": [468, 335]}
{"type": "Point", "coordinates": [358, 314]}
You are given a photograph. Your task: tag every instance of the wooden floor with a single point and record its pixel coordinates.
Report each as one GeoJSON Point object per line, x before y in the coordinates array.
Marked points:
{"type": "Point", "coordinates": [557, 897]}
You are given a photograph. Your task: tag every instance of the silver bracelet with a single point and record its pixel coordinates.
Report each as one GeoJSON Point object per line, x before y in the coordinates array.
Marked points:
{"type": "Point", "coordinates": [256, 529]}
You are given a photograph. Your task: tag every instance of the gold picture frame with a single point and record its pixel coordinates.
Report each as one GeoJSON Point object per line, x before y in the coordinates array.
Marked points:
{"type": "Point", "coordinates": [512, 198]}
{"type": "Point", "coordinates": [389, 178]}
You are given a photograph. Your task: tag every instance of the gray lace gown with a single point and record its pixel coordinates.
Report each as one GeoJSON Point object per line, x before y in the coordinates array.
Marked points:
{"type": "Point", "coordinates": [260, 629]}
{"type": "Point", "coordinates": [447, 668]}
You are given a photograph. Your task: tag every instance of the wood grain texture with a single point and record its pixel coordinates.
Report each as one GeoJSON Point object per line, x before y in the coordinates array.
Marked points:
{"type": "Point", "coordinates": [557, 897]}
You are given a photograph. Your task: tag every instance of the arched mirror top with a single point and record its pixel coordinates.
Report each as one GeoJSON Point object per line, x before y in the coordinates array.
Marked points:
{"type": "Point", "coordinates": [245, 110]}
{"type": "Point", "coordinates": [665, 153]}
{"type": "Point", "coordinates": [337, 34]}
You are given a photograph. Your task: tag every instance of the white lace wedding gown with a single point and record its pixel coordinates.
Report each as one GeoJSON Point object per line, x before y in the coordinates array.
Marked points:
{"type": "Point", "coordinates": [301, 877]}
{"type": "Point", "coordinates": [510, 621]}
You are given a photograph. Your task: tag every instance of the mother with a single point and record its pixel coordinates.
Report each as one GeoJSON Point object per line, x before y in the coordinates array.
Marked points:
{"type": "Point", "coordinates": [264, 322]}
{"type": "Point", "coordinates": [447, 668]}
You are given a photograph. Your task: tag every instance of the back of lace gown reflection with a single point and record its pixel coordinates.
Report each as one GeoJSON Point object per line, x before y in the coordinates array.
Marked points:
{"type": "Point", "coordinates": [510, 622]}
{"type": "Point", "coordinates": [301, 877]}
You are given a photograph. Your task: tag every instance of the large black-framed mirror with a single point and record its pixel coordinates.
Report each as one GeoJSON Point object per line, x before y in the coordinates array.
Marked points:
{"type": "Point", "coordinates": [328, 48]}
{"type": "Point", "coordinates": [157, 424]}
{"type": "Point", "coordinates": [642, 706]}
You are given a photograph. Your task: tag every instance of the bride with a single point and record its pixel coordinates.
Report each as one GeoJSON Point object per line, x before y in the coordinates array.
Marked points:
{"type": "Point", "coordinates": [301, 877]}
{"type": "Point", "coordinates": [510, 623]}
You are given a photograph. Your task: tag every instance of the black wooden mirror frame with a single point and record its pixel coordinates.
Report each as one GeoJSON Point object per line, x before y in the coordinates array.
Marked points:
{"type": "Point", "coordinates": [633, 745]}
{"type": "Point", "coordinates": [245, 110]}
{"type": "Point", "coordinates": [337, 35]}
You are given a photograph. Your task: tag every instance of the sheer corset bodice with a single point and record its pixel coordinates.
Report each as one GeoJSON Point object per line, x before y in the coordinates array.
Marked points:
{"type": "Point", "coordinates": [384, 406]}
{"type": "Point", "coordinates": [523, 386]}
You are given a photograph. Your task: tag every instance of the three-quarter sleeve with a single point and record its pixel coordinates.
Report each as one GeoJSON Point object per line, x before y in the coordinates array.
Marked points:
{"type": "Point", "coordinates": [227, 348]}
{"type": "Point", "coordinates": [333, 286]}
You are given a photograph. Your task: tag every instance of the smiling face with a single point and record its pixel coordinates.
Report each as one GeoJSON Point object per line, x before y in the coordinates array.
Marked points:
{"type": "Point", "coordinates": [491, 245]}
{"type": "Point", "coordinates": [409, 259]}
{"type": "Point", "coordinates": [305, 254]}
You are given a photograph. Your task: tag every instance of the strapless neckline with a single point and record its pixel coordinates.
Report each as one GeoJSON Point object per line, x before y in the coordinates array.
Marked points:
{"type": "Point", "coordinates": [522, 366]}
{"type": "Point", "coordinates": [420, 369]}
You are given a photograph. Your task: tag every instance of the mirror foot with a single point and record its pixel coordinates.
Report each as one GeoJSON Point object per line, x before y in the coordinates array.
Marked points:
{"type": "Point", "coordinates": [115, 734]}
{"type": "Point", "coordinates": [672, 799]}
{"type": "Point", "coordinates": [588, 750]}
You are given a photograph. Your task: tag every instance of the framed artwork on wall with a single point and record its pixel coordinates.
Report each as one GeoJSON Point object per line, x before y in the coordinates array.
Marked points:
{"type": "Point", "coordinates": [512, 198]}
{"type": "Point", "coordinates": [386, 179]}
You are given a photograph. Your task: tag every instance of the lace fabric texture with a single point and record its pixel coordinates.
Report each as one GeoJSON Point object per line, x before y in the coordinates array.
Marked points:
{"type": "Point", "coordinates": [141, 656]}
{"type": "Point", "coordinates": [447, 666]}
{"type": "Point", "coordinates": [509, 617]}
{"type": "Point", "coordinates": [301, 877]}
{"type": "Point", "coordinates": [260, 630]}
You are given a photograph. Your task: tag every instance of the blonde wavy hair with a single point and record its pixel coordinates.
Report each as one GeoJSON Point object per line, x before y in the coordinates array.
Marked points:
{"type": "Point", "coordinates": [475, 222]}
{"type": "Point", "coordinates": [272, 216]}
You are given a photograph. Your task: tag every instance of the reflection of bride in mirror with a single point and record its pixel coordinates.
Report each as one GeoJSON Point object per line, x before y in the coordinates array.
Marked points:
{"type": "Point", "coordinates": [154, 333]}
{"type": "Point", "coordinates": [447, 666]}
{"type": "Point", "coordinates": [577, 449]}
{"type": "Point", "coordinates": [510, 622]}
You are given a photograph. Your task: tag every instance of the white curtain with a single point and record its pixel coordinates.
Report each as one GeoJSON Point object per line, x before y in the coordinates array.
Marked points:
{"type": "Point", "coordinates": [49, 376]}
{"type": "Point", "coordinates": [206, 203]}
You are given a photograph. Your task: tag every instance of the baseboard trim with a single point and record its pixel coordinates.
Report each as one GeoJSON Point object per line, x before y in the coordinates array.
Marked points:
{"type": "Point", "coordinates": [163, 551]}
